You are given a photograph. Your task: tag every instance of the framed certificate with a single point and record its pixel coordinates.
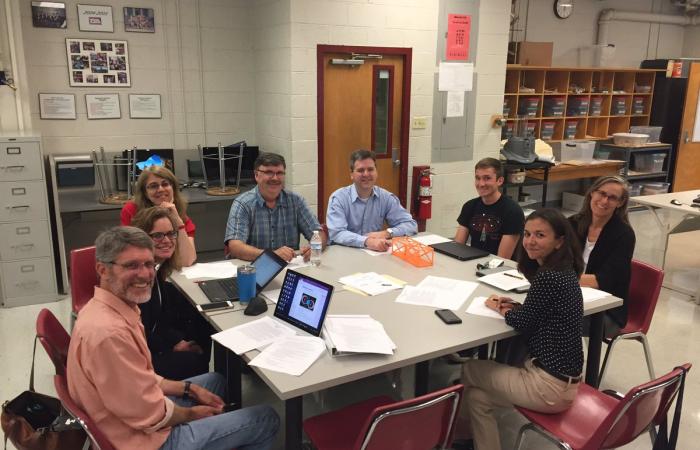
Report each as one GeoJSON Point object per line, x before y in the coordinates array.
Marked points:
{"type": "Point", "coordinates": [57, 106]}
{"type": "Point", "coordinates": [144, 106]}
{"type": "Point", "coordinates": [102, 106]}
{"type": "Point", "coordinates": [95, 18]}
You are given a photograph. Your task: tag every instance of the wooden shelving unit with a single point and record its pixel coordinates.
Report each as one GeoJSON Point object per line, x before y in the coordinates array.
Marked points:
{"type": "Point", "coordinates": [616, 91]}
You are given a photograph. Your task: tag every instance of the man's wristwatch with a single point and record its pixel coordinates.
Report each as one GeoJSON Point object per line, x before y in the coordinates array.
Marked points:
{"type": "Point", "coordinates": [186, 391]}
{"type": "Point", "coordinates": [391, 232]}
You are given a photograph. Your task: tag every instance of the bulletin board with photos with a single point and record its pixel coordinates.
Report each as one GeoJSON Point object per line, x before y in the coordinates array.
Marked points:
{"type": "Point", "coordinates": [98, 62]}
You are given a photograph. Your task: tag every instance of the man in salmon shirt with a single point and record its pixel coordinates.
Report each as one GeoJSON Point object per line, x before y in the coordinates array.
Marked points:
{"type": "Point", "coordinates": [111, 377]}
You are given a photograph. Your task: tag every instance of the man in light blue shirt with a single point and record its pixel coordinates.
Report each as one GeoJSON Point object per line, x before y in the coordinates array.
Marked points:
{"type": "Point", "coordinates": [357, 213]}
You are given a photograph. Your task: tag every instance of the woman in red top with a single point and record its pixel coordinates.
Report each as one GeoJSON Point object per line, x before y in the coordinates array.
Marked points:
{"type": "Point", "coordinates": [157, 186]}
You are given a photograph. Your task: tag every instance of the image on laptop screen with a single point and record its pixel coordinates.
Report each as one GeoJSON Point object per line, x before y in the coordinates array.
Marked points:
{"type": "Point", "coordinates": [303, 302]}
{"type": "Point", "coordinates": [266, 268]}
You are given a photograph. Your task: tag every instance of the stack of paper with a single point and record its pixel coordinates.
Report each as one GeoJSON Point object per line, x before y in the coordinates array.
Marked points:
{"type": "Point", "coordinates": [438, 292]}
{"type": "Point", "coordinates": [297, 262]}
{"type": "Point", "coordinates": [348, 334]}
{"type": "Point", "coordinates": [221, 269]}
{"type": "Point", "coordinates": [430, 239]}
{"type": "Point", "coordinates": [255, 334]}
{"type": "Point", "coordinates": [291, 355]}
{"type": "Point", "coordinates": [590, 294]}
{"type": "Point", "coordinates": [507, 280]}
{"type": "Point", "coordinates": [371, 283]}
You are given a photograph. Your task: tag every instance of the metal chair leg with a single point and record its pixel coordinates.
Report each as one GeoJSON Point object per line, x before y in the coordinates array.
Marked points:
{"type": "Point", "coordinates": [647, 355]}
{"type": "Point", "coordinates": [605, 360]}
{"type": "Point", "coordinates": [530, 426]}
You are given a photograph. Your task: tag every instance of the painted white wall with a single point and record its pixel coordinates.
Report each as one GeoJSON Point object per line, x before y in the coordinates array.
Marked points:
{"type": "Point", "coordinates": [574, 37]}
{"type": "Point", "coordinates": [691, 42]}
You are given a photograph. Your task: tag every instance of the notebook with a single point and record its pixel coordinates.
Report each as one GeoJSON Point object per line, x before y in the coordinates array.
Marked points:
{"type": "Point", "coordinates": [267, 266]}
{"type": "Point", "coordinates": [462, 252]}
{"type": "Point", "coordinates": [303, 302]}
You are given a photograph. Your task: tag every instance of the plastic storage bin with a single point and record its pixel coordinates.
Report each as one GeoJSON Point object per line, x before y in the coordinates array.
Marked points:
{"type": "Point", "coordinates": [636, 189]}
{"type": "Point", "coordinates": [576, 150]}
{"type": "Point", "coordinates": [507, 131]}
{"type": "Point", "coordinates": [596, 107]}
{"type": "Point", "coordinates": [578, 106]}
{"type": "Point", "coordinates": [547, 131]}
{"type": "Point", "coordinates": [638, 105]}
{"type": "Point", "coordinates": [618, 107]}
{"type": "Point", "coordinates": [653, 132]}
{"type": "Point", "coordinates": [651, 163]}
{"type": "Point", "coordinates": [570, 129]}
{"type": "Point", "coordinates": [553, 106]}
{"type": "Point", "coordinates": [529, 106]}
{"type": "Point", "coordinates": [655, 188]}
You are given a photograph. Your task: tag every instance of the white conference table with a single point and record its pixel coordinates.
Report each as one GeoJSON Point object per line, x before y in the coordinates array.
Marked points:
{"type": "Point", "coordinates": [417, 332]}
{"type": "Point", "coordinates": [689, 222]}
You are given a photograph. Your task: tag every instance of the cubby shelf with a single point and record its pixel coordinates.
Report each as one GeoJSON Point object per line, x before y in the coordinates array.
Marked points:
{"type": "Point", "coordinates": [611, 90]}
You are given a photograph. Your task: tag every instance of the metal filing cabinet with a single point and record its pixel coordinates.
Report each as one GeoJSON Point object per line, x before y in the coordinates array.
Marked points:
{"type": "Point", "coordinates": [27, 274]}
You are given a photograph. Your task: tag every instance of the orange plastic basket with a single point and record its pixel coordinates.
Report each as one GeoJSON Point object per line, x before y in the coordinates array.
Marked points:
{"type": "Point", "coordinates": [412, 251]}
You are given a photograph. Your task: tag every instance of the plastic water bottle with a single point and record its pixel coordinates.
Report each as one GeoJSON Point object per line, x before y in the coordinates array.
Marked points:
{"type": "Point", "coordinates": [316, 248]}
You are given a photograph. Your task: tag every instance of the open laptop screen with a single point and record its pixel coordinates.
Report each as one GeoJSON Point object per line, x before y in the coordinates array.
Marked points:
{"type": "Point", "coordinates": [303, 302]}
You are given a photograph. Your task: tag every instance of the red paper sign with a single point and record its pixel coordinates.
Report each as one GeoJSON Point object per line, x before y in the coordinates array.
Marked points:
{"type": "Point", "coordinates": [458, 27]}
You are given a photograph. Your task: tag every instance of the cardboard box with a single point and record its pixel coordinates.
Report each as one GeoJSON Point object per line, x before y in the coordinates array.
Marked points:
{"type": "Point", "coordinates": [534, 53]}
{"type": "Point", "coordinates": [571, 201]}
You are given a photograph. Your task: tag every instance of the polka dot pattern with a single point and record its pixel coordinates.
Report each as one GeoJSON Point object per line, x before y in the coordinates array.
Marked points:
{"type": "Point", "coordinates": [551, 318]}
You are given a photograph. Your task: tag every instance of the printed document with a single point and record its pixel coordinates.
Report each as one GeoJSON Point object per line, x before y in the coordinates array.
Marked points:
{"type": "Point", "coordinates": [345, 334]}
{"type": "Point", "coordinates": [430, 239]}
{"type": "Point", "coordinates": [371, 283]}
{"type": "Point", "coordinates": [255, 334]}
{"type": "Point", "coordinates": [438, 292]}
{"type": "Point", "coordinates": [291, 355]}
{"type": "Point", "coordinates": [478, 307]}
{"type": "Point", "coordinates": [590, 294]}
{"type": "Point", "coordinates": [221, 269]}
{"type": "Point", "coordinates": [507, 280]}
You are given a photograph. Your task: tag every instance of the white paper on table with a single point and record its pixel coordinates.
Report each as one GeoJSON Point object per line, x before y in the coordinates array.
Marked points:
{"type": "Point", "coordinates": [255, 334]}
{"type": "Point", "coordinates": [221, 269]}
{"type": "Point", "coordinates": [455, 76]}
{"type": "Point", "coordinates": [591, 294]}
{"type": "Point", "coordinates": [478, 307]}
{"type": "Point", "coordinates": [376, 253]}
{"type": "Point", "coordinates": [272, 294]}
{"type": "Point", "coordinates": [297, 262]}
{"type": "Point", "coordinates": [356, 334]}
{"type": "Point", "coordinates": [430, 239]}
{"type": "Point", "coordinates": [455, 104]}
{"type": "Point", "coordinates": [370, 283]}
{"type": "Point", "coordinates": [505, 282]}
{"type": "Point", "coordinates": [438, 292]}
{"type": "Point", "coordinates": [291, 355]}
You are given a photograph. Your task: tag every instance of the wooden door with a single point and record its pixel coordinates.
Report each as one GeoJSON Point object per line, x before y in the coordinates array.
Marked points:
{"type": "Point", "coordinates": [687, 172]}
{"type": "Point", "coordinates": [362, 106]}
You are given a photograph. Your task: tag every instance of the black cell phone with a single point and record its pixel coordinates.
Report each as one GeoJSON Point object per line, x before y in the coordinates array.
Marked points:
{"type": "Point", "coordinates": [228, 407]}
{"type": "Point", "coordinates": [214, 306]}
{"type": "Point", "coordinates": [448, 316]}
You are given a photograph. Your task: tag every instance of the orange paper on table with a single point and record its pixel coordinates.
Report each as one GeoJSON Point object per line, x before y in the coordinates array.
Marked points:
{"type": "Point", "coordinates": [412, 251]}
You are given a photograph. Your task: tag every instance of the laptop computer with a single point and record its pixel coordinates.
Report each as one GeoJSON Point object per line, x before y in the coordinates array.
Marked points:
{"type": "Point", "coordinates": [267, 266]}
{"type": "Point", "coordinates": [303, 302]}
{"type": "Point", "coordinates": [462, 252]}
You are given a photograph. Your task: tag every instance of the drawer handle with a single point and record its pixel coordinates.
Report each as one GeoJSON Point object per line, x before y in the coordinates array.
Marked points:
{"type": "Point", "coordinates": [27, 284]}
{"type": "Point", "coordinates": [14, 151]}
{"type": "Point", "coordinates": [19, 191]}
{"type": "Point", "coordinates": [18, 207]}
{"type": "Point", "coordinates": [28, 268]}
{"type": "Point", "coordinates": [23, 246]}
{"type": "Point", "coordinates": [11, 167]}
{"type": "Point", "coordinates": [23, 230]}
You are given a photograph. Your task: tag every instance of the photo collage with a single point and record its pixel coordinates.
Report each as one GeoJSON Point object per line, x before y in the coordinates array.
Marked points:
{"type": "Point", "coordinates": [94, 62]}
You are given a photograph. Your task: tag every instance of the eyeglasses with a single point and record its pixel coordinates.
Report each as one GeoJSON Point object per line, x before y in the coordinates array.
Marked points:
{"type": "Point", "coordinates": [610, 197]}
{"type": "Point", "coordinates": [133, 266]}
{"type": "Point", "coordinates": [272, 173]}
{"type": "Point", "coordinates": [154, 186]}
{"type": "Point", "coordinates": [159, 236]}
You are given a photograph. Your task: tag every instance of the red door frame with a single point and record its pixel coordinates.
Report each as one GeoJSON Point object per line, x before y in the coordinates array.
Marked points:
{"type": "Point", "coordinates": [407, 54]}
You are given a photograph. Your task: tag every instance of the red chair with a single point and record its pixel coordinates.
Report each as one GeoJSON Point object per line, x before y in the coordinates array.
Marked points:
{"type": "Point", "coordinates": [83, 278]}
{"type": "Point", "coordinates": [54, 338]}
{"type": "Point", "coordinates": [380, 423]}
{"type": "Point", "coordinates": [98, 440]}
{"type": "Point", "coordinates": [645, 285]}
{"type": "Point", "coordinates": [597, 420]}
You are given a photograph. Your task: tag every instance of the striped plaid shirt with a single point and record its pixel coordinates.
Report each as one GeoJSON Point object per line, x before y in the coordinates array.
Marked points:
{"type": "Point", "coordinates": [252, 222]}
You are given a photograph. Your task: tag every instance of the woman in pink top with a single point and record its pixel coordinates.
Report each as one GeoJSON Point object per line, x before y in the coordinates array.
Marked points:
{"type": "Point", "coordinates": [158, 186]}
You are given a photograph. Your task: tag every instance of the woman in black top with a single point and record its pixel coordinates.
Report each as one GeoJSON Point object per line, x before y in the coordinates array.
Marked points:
{"type": "Point", "coordinates": [177, 336]}
{"type": "Point", "coordinates": [607, 241]}
{"type": "Point", "coordinates": [550, 318]}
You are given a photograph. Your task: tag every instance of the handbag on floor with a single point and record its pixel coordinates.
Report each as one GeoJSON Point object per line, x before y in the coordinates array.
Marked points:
{"type": "Point", "coordinates": [34, 421]}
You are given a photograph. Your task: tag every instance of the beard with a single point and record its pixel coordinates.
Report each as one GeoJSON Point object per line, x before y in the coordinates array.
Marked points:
{"type": "Point", "coordinates": [121, 290]}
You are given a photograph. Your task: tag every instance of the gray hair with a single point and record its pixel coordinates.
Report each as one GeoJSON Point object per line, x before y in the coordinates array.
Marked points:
{"type": "Point", "coordinates": [361, 155]}
{"type": "Point", "coordinates": [110, 243]}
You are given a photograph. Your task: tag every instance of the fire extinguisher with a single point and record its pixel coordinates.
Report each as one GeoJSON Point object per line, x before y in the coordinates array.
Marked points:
{"type": "Point", "coordinates": [425, 195]}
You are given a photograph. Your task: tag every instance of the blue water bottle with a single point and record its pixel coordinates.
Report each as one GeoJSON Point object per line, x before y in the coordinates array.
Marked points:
{"type": "Point", "coordinates": [246, 283]}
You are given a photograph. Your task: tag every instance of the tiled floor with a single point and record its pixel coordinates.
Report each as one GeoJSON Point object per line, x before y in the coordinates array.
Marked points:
{"type": "Point", "coordinates": [673, 338]}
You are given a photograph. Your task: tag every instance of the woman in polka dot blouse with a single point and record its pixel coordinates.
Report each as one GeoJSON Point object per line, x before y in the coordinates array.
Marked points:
{"type": "Point", "coordinates": [550, 318]}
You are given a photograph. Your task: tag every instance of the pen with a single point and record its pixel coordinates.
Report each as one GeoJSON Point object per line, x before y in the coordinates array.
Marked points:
{"type": "Point", "coordinates": [513, 276]}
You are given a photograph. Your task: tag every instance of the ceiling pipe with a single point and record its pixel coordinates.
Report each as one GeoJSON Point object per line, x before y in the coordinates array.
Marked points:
{"type": "Point", "coordinates": [609, 15]}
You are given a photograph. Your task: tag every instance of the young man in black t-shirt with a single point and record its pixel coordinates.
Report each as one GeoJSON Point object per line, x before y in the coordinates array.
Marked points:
{"type": "Point", "coordinates": [493, 221]}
